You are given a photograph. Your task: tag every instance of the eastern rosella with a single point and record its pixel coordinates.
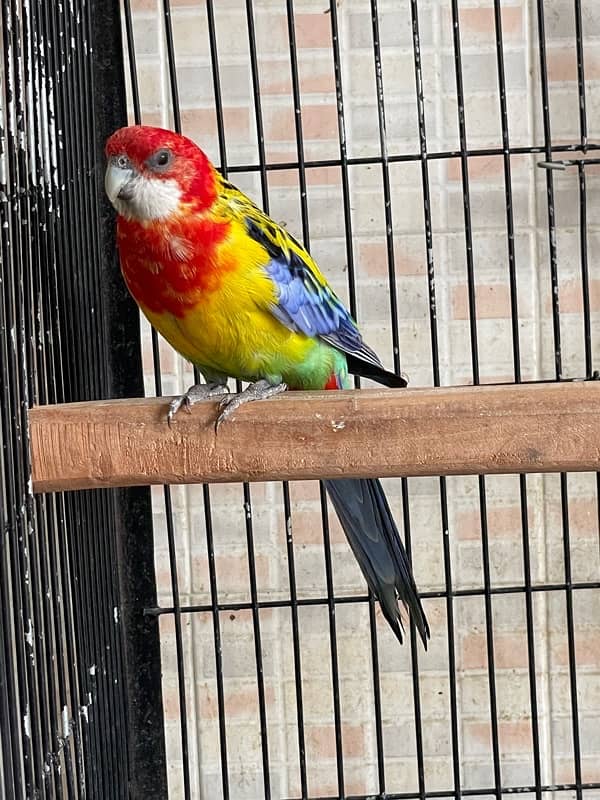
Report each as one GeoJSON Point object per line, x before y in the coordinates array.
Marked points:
{"type": "Point", "coordinates": [238, 296]}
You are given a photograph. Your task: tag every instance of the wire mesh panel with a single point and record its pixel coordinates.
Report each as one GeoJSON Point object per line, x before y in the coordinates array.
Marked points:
{"type": "Point", "coordinates": [67, 332]}
{"type": "Point", "coordinates": [438, 159]}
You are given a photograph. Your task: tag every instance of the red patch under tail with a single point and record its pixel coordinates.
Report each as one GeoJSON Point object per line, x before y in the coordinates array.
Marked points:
{"type": "Point", "coordinates": [333, 382]}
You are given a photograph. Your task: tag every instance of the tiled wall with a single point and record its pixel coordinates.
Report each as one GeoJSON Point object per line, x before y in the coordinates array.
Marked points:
{"type": "Point", "coordinates": [369, 257]}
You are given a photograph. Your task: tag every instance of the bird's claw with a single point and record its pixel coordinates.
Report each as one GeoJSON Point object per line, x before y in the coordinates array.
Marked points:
{"type": "Point", "coordinates": [260, 390]}
{"type": "Point", "coordinates": [195, 394]}
{"type": "Point", "coordinates": [174, 407]}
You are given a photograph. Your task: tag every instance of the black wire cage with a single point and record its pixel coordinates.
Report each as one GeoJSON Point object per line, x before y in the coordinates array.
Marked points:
{"type": "Point", "coordinates": [439, 158]}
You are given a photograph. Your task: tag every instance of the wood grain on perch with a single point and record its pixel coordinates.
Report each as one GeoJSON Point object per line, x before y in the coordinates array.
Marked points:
{"type": "Point", "coordinates": [302, 435]}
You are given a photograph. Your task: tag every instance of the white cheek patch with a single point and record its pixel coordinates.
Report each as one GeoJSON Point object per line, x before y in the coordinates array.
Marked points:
{"type": "Point", "coordinates": [148, 198]}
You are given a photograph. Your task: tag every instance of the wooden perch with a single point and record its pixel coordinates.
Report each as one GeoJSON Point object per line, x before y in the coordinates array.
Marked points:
{"type": "Point", "coordinates": [301, 435]}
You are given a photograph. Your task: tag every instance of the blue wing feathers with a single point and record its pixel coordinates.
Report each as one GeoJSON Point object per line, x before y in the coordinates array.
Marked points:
{"type": "Point", "coordinates": [308, 305]}
{"type": "Point", "coordinates": [303, 303]}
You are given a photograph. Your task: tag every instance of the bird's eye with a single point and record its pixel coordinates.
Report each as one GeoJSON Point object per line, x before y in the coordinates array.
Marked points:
{"type": "Point", "coordinates": [161, 159]}
{"type": "Point", "coordinates": [122, 162]}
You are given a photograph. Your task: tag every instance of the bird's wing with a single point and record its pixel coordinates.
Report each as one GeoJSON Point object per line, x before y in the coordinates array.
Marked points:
{"type": "Point", "coordinates": [304, 300]}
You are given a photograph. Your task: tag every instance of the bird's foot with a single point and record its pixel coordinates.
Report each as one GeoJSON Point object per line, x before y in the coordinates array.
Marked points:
{"type": "Point", "coordinates": [259, 390]}
{"type": "Point", "coordinates": [195, 394]}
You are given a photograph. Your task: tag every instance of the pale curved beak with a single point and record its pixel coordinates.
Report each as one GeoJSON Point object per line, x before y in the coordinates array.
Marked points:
{"type": "Point", "coordinates": [115, 178]}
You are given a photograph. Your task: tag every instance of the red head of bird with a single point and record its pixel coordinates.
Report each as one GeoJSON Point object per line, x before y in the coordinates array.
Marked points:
{"type": "Point", "coordinates": [152, 173]}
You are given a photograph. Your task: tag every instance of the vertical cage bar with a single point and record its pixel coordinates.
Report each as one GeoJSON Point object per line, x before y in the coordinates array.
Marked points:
{"type": "Point", "coordinates": [206, 489]}
{"type": "Point", "coordinates": [248, 519]}
{"type": "Point", "coordinates": [324, 513]}
{"type": "Point", "coordinates": [335, 672]}
{"type": "Point", "coordinates": [287, 509]}
{"type": "Point", "coordinates": [583, 126]}
{"type": "Point", "coordinates": [433, 327]}
{"type": "Point", "coordinates": [394, 320]}
{"type": "Point", "coordinates": [471, 291]}
{"type": "Point", "coordinates": [585, 272]}
{"type": "Point", "coordinates": [352, 293]}
{"type": "Point", "coordinates": [564, 494]}
{"type": "Point", "coordinates": [296, 641]}
{"type": "Point", "coordinates": [183, 721]}
{"type": "Point", "coordinates": [214, 599]}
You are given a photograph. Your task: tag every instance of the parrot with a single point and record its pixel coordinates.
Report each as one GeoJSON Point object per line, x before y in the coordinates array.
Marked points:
{"type": "Point", "coordinates": [239, 297]}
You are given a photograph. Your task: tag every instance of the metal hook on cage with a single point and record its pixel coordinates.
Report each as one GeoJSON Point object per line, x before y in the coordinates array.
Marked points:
{"type": "Point", "coordinates": [564, 163]}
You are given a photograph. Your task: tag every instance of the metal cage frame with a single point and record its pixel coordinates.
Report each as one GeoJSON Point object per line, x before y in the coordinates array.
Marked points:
{"type": "Point", "coordinates": [80, 701]}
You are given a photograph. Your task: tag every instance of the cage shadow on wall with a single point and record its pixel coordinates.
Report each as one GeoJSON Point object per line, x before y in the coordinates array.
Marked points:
{"type": "Point", "coordinates": [439, 158]}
